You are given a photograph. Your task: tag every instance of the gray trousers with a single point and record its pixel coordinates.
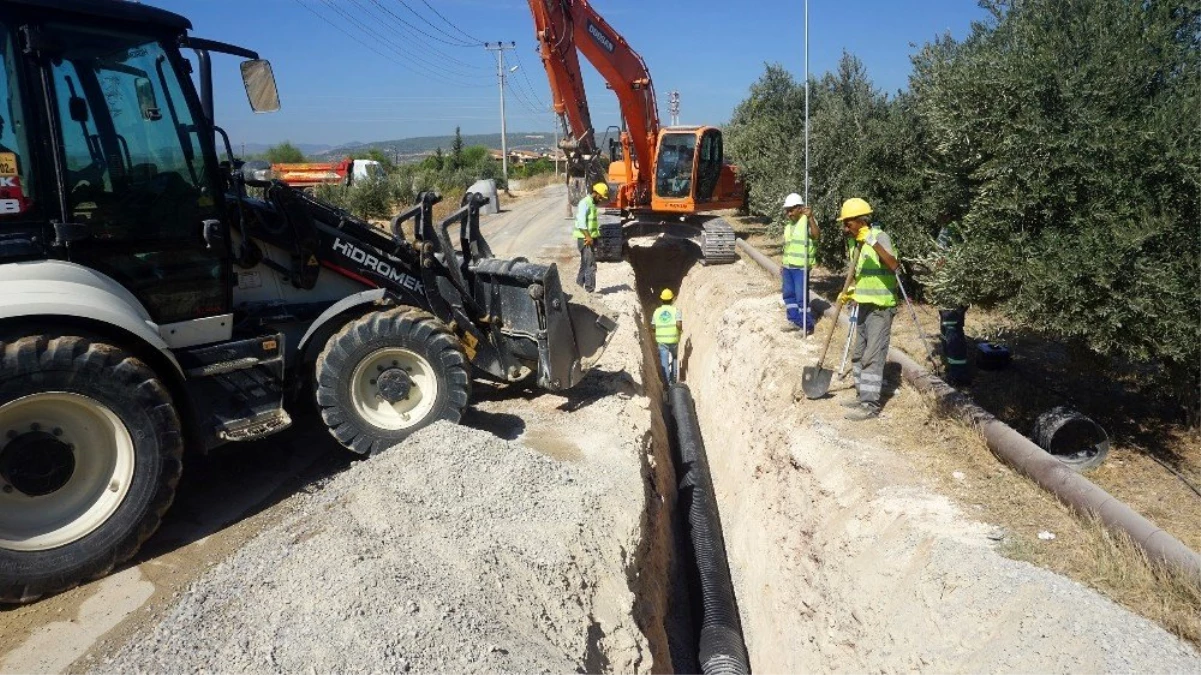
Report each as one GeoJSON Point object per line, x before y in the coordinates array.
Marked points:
{"type": "Point", "coordinates": [586, 277]}
{"type": "Point", "coordinates": [874, 328]}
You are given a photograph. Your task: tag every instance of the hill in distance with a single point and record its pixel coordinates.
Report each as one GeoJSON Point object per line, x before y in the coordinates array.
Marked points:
{"type": "Point", "coordinates": [424, 145]}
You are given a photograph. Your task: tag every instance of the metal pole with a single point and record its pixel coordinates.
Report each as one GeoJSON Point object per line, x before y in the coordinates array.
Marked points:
{"type": "Point", "coordinates": [500, 78]}
{"type": "Point", "coordinates": [504, 144]}
{"type": "Point", "coordinates": [806, 101]}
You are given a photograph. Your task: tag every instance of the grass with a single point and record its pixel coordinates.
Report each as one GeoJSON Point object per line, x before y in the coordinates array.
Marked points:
{"type": "Point", "coordinates": [539, 181]}
{"type": "Point", "coordinates": [956, 459]}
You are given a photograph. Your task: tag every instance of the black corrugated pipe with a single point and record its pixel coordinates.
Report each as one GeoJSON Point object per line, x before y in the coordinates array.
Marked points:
{"type": "Point", "coordinates": [1074, 490]}
{"type": "Point", "coordinates": [722, 648]}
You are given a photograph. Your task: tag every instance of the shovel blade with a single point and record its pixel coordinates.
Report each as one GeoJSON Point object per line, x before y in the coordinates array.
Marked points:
{"type": "Point", "coordinates": [815, 381]}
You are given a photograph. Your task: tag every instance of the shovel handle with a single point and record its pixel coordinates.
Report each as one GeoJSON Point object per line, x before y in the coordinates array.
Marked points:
{"type": "Point", "coordinates": [838, 305]}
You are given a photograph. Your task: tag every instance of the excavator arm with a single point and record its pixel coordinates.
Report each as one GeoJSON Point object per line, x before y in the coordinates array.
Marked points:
{"type": "Point", "coordinates": [563, 26]}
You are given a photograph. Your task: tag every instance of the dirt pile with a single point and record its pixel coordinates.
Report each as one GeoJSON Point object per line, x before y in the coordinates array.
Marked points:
{"type": "Point", "coordinates": [842, 558]}
{"type": "Point", "coordinates": [513, 543]}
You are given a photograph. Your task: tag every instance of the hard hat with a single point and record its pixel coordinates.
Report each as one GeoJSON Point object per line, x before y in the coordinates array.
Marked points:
{"type": "Point", "coordinates": [793, 200]}
{"type": "Point", "coordinates": [853, 208]}
{"type": "Point", "coordinates": [666, 295]}
{"type": "Point", "coordinates": [601, 189]}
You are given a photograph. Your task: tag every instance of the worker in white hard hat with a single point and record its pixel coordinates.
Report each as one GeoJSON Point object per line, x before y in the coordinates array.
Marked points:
{"type": "Point", "coordinates": [800, 253]}
{"type": "Point", "coordinates": [668, 322]}
{"type": "Point", "coordinates": [586, 232]}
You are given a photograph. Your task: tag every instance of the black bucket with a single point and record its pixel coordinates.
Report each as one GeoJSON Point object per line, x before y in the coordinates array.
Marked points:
{"type": "Point", "coordinates": [1072, 438]}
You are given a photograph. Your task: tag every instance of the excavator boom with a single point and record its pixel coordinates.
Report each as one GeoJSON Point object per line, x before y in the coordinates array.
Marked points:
{"type": "Point", "coordinates": [565, 26]}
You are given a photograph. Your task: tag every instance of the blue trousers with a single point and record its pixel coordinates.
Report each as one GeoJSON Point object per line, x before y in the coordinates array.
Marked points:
{"type": "Point", "coordinates": [794, 297]}
{"type": "Point", "coordinates": [667, 359]}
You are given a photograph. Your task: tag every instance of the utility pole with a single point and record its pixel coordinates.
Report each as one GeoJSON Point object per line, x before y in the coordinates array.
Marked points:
{"type": "Point", "coordinates": [674, 107]}
{"type": "Point", "coordinates": [500, 49]}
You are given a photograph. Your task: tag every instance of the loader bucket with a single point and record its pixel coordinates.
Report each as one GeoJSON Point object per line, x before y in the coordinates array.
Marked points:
{"type": "Point", "coordinates": [537, 318]}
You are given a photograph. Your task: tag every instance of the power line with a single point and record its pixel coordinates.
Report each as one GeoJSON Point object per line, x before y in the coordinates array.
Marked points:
{"type": "Point", "coordinates": [418, 30]}
{"type": "Point", "coordinates": [420, 57]}
{"type": "Point", "coordinates": [528, 84]}
{"type": "Point", "coordinates": [475, 40]}
{"type": "Point", "coordinates": [522, 99]}
{"type": "Point", "coordinates": [439, 71]}
{"type": "Point", "coordinates": [357, 39]}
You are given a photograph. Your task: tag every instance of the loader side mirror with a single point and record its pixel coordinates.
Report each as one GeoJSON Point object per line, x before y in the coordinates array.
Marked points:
{"type": "Point", "coordinates": [259, 80]}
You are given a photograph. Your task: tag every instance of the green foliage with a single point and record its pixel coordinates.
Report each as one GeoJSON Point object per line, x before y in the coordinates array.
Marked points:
{"type": "Point", "coordinates": [284, 153]}
{"type": "Point", "coordinates": [537, 167]}
{"type": "Point", "coordinates": [366, 198]}
{"type": "Point", "coordinates": [1062, 136]}
{"type": "Point", "coordinates": [456, 150]}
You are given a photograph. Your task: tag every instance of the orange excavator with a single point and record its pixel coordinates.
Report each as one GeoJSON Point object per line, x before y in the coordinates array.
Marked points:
{"type": "Point", "coordinates": [667, 180]}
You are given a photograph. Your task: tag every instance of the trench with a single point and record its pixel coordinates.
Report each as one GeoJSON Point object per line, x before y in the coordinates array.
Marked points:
{"type": "Point", "coordinates": [665, 264]}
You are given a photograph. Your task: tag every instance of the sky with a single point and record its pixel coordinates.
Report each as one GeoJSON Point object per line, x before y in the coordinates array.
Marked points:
{"type": "Point", "coordinates": [353, 71]}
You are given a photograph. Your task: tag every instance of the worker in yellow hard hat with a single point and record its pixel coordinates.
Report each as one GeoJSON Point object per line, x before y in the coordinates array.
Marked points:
{"type": "Point", "coordinates": [875, 293]}
{"type": "Point", "coordinates": [586, 232]}
{"type": "Point", "coordinates": [668, 323]}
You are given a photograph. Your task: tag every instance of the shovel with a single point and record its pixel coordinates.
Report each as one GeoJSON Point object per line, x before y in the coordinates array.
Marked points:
{"type": "Point", "coordinates": [846, 350]}
{"type": "Point", "coordinates": [815, 380]}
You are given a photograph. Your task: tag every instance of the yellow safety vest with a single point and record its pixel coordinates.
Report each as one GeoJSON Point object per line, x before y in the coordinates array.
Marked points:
{"type": "Point", "coordinates": [875, 284]}
{"type": "Point", "coordinates": [587, 215]}
{"type": "Point", "coordinates": [665, 319]}
{"type": "Point", "coordinates": [799, 250]}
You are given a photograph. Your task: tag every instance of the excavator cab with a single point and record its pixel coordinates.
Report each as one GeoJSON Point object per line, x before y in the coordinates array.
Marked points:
{"type": "Point", "coordinates": [690, 172]}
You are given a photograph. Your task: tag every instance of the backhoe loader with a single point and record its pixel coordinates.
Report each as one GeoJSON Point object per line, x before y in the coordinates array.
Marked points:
{"type": "Point", "coordinates": [151, 305]}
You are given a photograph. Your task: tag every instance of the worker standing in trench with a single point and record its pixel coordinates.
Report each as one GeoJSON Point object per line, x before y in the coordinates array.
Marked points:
{"type": "Point", "coordinates": [800, 233]}
{"type": "Point", "coordinates": [587, 229]}
{"type": "Point", "coordinates": [668, 322]}
{"type": "Point", "coordinates": [875, 292]}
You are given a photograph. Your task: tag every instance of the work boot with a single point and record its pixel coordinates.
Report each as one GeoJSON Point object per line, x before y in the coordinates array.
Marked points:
{"type": "Point", "coordinates": [864, 411]}
{"type": "Point", "coordinates": [852, 402]}
{"type": "Point", "coordinates": [789, 327]}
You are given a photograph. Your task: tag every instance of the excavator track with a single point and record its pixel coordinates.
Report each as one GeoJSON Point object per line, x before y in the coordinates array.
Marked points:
{"type": "Point", "coordinates": [717, 243]}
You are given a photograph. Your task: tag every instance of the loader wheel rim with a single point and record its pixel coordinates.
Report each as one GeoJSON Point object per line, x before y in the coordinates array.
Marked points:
{"type": "Point", "coordinates": [66, 465]}
{"type": "Point", "coordinates": [394, 388]}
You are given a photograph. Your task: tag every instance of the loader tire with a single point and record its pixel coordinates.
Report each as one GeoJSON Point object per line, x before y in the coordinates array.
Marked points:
{"type": "Point", "coordinates": [386, 375]}
{"type": "Point", "coordinates": [90, 454]}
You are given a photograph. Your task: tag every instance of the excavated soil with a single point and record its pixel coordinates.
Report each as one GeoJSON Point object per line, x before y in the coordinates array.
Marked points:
{"type": "Point", "coordinates": [843, 558]}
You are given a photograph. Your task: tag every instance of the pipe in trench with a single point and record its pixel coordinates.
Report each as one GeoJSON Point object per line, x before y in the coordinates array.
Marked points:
{"type": "Point", "coordinates": [722, 647]}
{"type": "Point", "coordinates": [1074, 490]}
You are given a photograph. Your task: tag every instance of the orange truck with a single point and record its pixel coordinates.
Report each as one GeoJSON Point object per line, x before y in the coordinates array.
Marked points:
{"type": "Point", "coordinates": [308, 175]}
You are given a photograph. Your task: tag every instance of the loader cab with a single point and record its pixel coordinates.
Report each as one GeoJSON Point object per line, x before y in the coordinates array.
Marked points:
{"type": "Point", "coordinates": [112, 155]}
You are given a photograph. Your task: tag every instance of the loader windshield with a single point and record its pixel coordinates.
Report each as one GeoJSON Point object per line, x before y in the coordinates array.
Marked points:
{"type": "Point", "coordinates": [136, 170]}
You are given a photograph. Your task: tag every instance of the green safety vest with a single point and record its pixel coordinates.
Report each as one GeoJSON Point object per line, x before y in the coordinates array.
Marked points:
{"type": "Point", "coordinates": [875, 284]}
{"type": "Point", "coordinates": [799, 250]}
{"type": "Point", "coordinates": [587, 216]}
{"type": "Point", "coordinates": [665, 319]}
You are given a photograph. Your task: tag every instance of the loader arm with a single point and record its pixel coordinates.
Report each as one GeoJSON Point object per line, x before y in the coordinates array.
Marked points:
{"type": "Point", "coordinates": [563, 26]}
